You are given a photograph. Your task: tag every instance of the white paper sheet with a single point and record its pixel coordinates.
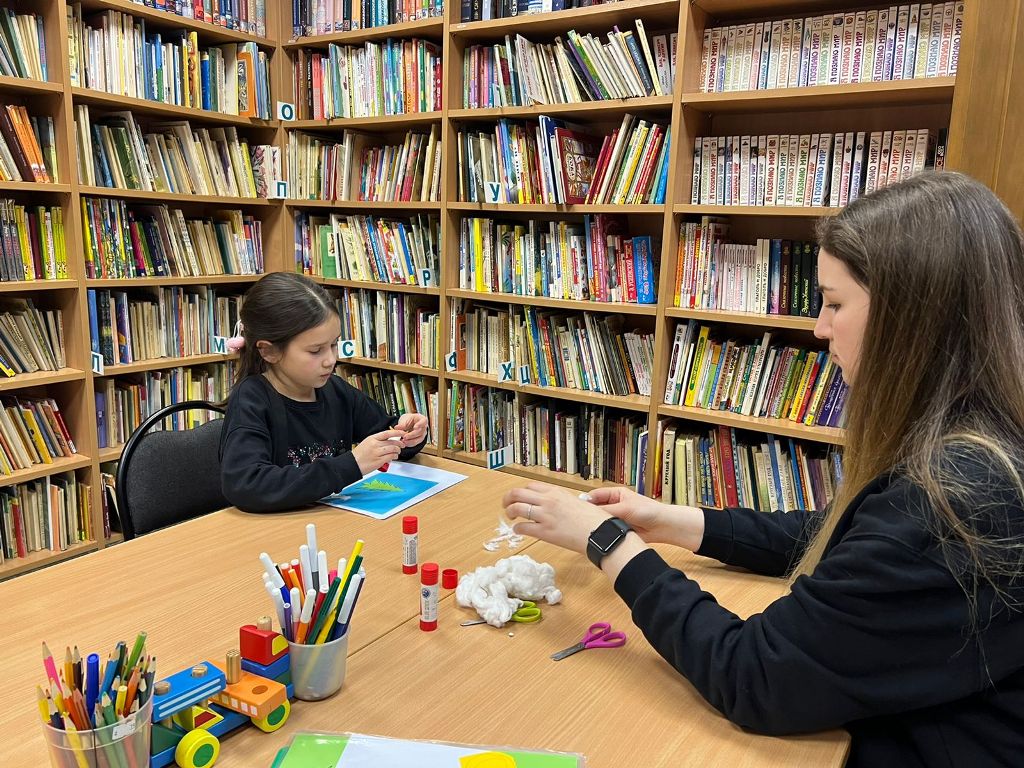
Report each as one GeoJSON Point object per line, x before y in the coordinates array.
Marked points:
{"type": "Point", "coordinates": [382, 494]}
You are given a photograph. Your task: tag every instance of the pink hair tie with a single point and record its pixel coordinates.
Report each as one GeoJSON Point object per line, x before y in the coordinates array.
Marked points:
{"type": "Point", "coordinates": [237, 342]}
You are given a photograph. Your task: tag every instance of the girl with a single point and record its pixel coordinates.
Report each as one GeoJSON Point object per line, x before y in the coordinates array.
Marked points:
{"type": "Point", "coordinates": [903, 622]}
{"type": "Point", "coordinates": [291, 431]}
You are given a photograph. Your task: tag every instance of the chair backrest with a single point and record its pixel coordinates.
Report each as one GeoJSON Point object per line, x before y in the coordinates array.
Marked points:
{"type": "Point", "coordinates": [166, 476]}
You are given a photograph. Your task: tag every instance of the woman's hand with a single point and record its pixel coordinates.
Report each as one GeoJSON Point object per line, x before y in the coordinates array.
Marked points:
{"type": "Point", "coordinates": [553, 514]}
{"type": "Point", "coordinates": [414, 425]}
{"type": "Point", "coordinates": [376, 450]}
{"type": "Point", "coordinates": [653, 521]}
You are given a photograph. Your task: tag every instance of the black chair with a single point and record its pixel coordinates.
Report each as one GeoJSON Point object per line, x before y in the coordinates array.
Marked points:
{"type": "Point", "coordinates": [169, 476]}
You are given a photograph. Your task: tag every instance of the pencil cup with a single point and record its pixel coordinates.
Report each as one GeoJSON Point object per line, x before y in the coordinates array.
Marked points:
{"type": "Point", "coordinates": [318, 671]}
{"type": "Point", "coordinates": [124, 744]}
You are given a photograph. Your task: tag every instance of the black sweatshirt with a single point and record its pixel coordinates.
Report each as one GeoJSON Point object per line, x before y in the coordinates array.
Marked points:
{"type": "Point", "coordinates": [277, 453]}
{"type": "Point", "coordinates": [876, 640]}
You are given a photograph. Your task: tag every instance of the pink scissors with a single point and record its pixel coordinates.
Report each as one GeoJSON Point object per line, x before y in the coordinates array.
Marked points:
{"type": "Point", "coordinates": [599, 635]}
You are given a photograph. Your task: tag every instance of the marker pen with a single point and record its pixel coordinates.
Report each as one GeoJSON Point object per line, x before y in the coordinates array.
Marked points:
{"type": "Point", "coordinates": [410, 543]}
{"type": "Point", "coordinates": [315, 577]}
{"type": "Point", "coordinates": [428, 597]}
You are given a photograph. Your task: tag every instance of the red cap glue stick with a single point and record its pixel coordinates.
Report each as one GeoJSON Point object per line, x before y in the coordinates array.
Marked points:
{"type": "Point", "coordinates": [386, 464]}
{"type": "Point", "coordinates": [428, 597]}
{"type": "Point", "coordinates": [410, 543]}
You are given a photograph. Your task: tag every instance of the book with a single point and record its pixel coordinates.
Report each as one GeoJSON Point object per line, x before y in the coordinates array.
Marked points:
{"type": "Point", "coordinates": [577, 157]}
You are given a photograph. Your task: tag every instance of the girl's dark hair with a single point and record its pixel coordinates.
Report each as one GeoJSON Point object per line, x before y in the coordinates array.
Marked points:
{"type": "Point", "coordinates": [277, 309]}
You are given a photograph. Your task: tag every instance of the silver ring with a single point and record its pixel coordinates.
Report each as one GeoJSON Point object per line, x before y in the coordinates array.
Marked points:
{"type": "Point", "coordinates": [529, 513]}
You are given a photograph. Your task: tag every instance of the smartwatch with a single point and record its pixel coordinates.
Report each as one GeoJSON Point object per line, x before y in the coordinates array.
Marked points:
{"type": "Point", "coordinates": [606, 537]}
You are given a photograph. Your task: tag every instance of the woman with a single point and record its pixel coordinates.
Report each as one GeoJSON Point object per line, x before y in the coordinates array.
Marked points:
{"type": "Point", "coordinates": [903, 622]}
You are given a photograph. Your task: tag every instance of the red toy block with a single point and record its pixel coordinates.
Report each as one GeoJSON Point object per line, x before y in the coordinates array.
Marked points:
{"type": "Point", "coordinates": [262, 646]}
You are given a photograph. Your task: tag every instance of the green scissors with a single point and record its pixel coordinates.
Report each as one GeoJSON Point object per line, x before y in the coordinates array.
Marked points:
{"type": "Point", "coordinates": [527, 613]}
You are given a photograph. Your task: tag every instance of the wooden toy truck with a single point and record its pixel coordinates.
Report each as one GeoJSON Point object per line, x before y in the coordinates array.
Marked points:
{"type": "Point", "coordinates": [194, 707]}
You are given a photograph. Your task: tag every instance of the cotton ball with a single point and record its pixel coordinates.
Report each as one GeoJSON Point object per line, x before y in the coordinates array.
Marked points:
{"type": "Point", "coordinates": [527, 579]}
{"type": "Point", "coordinates": [497, 591]}
{"type": "Point", "coordinates": [504, 533]}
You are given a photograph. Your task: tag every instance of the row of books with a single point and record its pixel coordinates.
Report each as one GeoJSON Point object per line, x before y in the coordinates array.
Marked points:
{"type": "Point", "coordinates": [554, 163]}
{"type": "Point", "coordinates": [582, 351]}
{"type": "Point", "coordinates": [579, 68]}
{"type": "Point", "coordinates": [355, 169]}
{"type": "Point", "coordinates": [484, 10]}
{"type": "Point", "coordinates": [900, 42]}
{"type": "Point", "coordinates": [397, 393]}
{"type": "Point", "coordinates": [592, 260]}
{"type": "Point", "coordinates": [112, 52]}
{"type": "Point", "coordinates": [52, 513]}
{"type": "Point", "coordinates": [163, 322]}
{"type": "Point", "coordinates": [31, 339]}
{"type": "Point", "coordinates": [114, 152]}
{"type": "Point", "coordinates": [32, 242]}
{"type": "Point", "coordinates": [28, 146]}
{"type": "Point", "coordinates": [809, 169]}
{"type": "Point", "coordinates": [754, 378]}
{"type": "Point", "coordinates": [249, 16]}
{"type": "Point", "coordinates": [392, 77]}
{"type": "Point", "coordinates": [22, 45]}
{"type": "Point", "coordinates": [773, 277]}
{"type": "Point", "coordinates": [369, 248]}
{"type": "Point", "coordinates": [629, 168]}
{"type": "Point", "coordinates": [723, 468]}
{"type": "Point", "coordinates": [128, 241]}
{"type": "Point", "coordinates": [396, 327]}
{"type": "Point", "coordinates": [591, 441]}
{"type": "Point", "coordinates": [32, 431]}
{"type": "Point", "coordinates": [123, 404]}
{"type": "Point", "coordinates": [322, 17]}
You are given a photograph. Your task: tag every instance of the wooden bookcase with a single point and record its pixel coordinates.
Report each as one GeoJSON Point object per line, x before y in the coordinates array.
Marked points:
{"type": "Point", "coordinates": [689, 113]}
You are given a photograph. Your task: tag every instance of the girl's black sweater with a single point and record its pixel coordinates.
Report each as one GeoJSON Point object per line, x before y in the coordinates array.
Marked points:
{"type": "Point", "coordinates": [278, 454]}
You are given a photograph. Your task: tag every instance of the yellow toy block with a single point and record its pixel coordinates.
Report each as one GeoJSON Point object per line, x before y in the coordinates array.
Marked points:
{"type": "Point", "coordinates": [252, 695]}
{"type": "Point", "coordinates": [196, 716]}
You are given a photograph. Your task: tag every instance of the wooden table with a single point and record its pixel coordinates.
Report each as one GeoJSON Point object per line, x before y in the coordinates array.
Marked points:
{"type": "Point", "coordinates": [191, 586]}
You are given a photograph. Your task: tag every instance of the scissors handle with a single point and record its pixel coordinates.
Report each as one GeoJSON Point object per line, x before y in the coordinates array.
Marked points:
{"type": "Point", "coordinates": [527, 613]}
{"type": "Point", "coordinates": [600, 635]}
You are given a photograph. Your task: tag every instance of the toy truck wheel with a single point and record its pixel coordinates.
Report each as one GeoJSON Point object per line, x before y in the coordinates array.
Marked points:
{"type": "Point", "coordinates": [197, 749]}
{"type": "Point", "coordinates": [275, 719]}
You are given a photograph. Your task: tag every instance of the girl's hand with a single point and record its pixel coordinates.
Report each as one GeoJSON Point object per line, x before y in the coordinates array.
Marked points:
{"type": "Point", "coordinates": [653, 521]}
{"type": "Point", "coordinates": [414, 425]}
{"type": "Point", "coordinates": [553, 514]}
{"type": "Point", "coordinates": [376, 450]}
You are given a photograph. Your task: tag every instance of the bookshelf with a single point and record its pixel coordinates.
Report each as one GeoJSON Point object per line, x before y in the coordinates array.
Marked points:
{"type": "Point", "coordinates": [687, 112]}
{"type": "Point", "coordinates": [73, 386]}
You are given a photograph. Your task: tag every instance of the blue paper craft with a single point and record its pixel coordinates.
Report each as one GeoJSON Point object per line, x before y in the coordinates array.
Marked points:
{"type": "Point", "coordinates": [379, 495]}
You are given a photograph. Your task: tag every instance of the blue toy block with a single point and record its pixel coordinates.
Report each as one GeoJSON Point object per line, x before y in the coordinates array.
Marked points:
{"type": "Point", "coordinates": [231, 721]}
{"type": "Point", "coordinates": [187, 690]}
{"type": "Point", "coordinates": [270, 671]}
{"type": "Point", "coordinates": [163, 759]}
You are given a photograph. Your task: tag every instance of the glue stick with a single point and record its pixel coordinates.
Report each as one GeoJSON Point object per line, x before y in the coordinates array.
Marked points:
{"type": "Point", "coordinates": [410, 543]}
{"type": "Point", "coordinates": [428, 597]}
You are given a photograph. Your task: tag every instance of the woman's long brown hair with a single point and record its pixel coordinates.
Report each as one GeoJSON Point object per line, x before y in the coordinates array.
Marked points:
{"type": "Point", "coordinates": [941, 374]}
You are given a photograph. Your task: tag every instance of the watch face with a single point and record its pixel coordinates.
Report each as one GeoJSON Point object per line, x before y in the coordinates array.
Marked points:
{"type": "Point", "coordinates": [605, 538]}
{"type": "Point", "coordinates": [606, 535]}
